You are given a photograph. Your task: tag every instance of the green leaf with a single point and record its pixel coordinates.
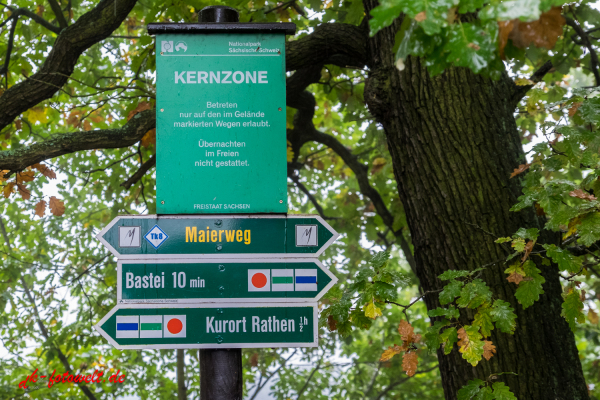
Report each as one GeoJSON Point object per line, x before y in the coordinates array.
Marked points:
{"type": "Point", "coordinates": [472, 45]}
{"type": "Point", "coordinates": [503, 240]}
{"type": "Point", "coordinates": [590, 110]}
{"type": "Point", "coordinates": [453, 274]}
{"type": "Point", "coordinates": [471, 389]}
{"type": "Point", "coordinates": [380, 259]}
{"type": "Point", "coordinates": [450, 292]}
{"type": "Point", "coordinates": [565, 260]}
{"type": "Point", "coordinates": [531, 233]}
{"type": "Point", "coordinates": [450, 312]}
{"type": "Point", "coordinates": [469, 6]}
{"type": "Point", "coordinates": [483, 319]}
{"type": "Point", "coordinates": [384, 14]}
{"type": "Point", "coordinates": [572, 308]}
{"type": "Point", "coordinates": [448, 338]}
{"type": "Point", "coordinates": [502, 392]}
{"type": "Point", "coordinates": [503, 316]}
{"type": "Point", "coordinates": [589, 230]}
{"type": "Point", "coordinates": [432, 336]}
{"type": "Point", "coordinates": [525, 10]}
{"type": "Point", "coordinates": [530, 289]}
{"type": "Point", "coordinates": [474, 294]}
{"type": "Point", "coordinates": [344, 328]}
{"type": "Point", "coordinates": [359, 319]}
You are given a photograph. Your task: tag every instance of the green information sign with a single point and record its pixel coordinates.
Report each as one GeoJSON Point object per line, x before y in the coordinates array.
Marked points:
{"type": "Point", "coordinates": [221, 124]}
{"type": "Point", "coordinates": [233, 325]}
{"type": "Point", "coordinates": [224, 236]}
{"type": "Point", "coordinates": [252, 280]}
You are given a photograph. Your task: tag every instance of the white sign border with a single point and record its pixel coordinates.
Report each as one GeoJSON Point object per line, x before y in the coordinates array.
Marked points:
{"type": "Point", "coordinates": [120, 263]}
{"type": "Point", "coordinates": [314, 343]}
{"type": "Point", "coordinates": [114, 251]}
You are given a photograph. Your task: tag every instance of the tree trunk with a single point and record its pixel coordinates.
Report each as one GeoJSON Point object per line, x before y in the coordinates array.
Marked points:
{"type": "Point", "coordinates": [181, 388]}
{"type": "Point", "coordinates": [454, 143]}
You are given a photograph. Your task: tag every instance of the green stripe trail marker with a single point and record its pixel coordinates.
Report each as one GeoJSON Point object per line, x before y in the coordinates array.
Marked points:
{"type": "Point", "coordinates": [222, 280]}
{"type": "Point", "coordinates": [200, 326]}
{"type": "Point", "coordinates": [223, 236]}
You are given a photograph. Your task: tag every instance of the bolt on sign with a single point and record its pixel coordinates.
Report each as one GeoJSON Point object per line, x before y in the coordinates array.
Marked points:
{"type": "Point", "coordinates": [221, 118]}
{"type": "Point", "coordinates": [224, 236]}
{"type": "Point", "coordinates": [232, 325]}
{"type": "Point", "coordinates": [222, 280]}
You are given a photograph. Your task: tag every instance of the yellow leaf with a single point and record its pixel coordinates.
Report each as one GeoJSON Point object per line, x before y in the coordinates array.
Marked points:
{"type": "Point", "coordinates": [290, 154]}
{"type": "Point", "coordinates": [37, 114]}
{"type": "Point", "coordinates": [149, 138]}
{"type": "Point", "coordinates": [8, 189]}
{"type": "Point", "coordinates": [524, 82]}
{"type": "Point", "coordinates": [378, 164]}
{"type": "Point", "coordinates": [410, 361]}
{"type": "Point", "coordinates": [57, 207]}
{"type": "Point", "coordinates": [2, 173]}
{"type": "Point", "coordinates": [40, 208]}
{"type": "Point", "coordinates": [390, 353]}
{"type": "Point", "coordinates": [593, 317]}
{"type": "Point", "coordinates": [87, 126]}
{"type": "Point", "coordinates": [372, 311]}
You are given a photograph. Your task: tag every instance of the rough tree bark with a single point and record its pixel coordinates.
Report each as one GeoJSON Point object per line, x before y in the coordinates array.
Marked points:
{"type": "Point", "coordinates": [454, 142]}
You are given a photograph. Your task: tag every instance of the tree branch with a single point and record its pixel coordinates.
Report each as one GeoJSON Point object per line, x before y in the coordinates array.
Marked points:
{"type": "Point", "coordinates": [16, 12]}
{"type": "Point", "coordinates": [585, 40]}
{"type": "Point", "coordinates": [62, 22]}
{"type": "Point", "coordinates": [89, 29]}
{"type": "Point", "coordinates": [520, 91]}
{"type": "Point", "coordinates": [140, 172]}
{"type": "Point", "coordinates": [339, 44]}
{"type": "Point", "coordinates": [130, 133]}
{"type": "Point", "coordinates": [310, 196]}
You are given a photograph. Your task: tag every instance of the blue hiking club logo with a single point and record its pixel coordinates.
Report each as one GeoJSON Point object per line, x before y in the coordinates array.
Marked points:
{"type": "Point", "coordinates": [156, 236]}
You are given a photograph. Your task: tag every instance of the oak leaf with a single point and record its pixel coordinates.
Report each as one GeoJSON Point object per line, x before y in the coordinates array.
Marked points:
{"type": "Point", "coordinates": [520, 169]}
{"type": "Point", "coordinates": [44, 170]}
{"type": "Point", "coordinates": [331, 323]}
{"type": "Point", "coordinates": [524, 82]}
{"type": "Point", "coordinates": [420, 17]}
{"type": "Point", "coordinates": [40, 208]}
{"type": "Point", "coordinates": [87, 126]}
{"type": "Point", "coordinates": [8, 189]}
{"type": "Point", "coordinates": [528, 248]}
{"type": "Point", "coordinates": [505, 27]}
{"type": "Point", "coordinates": [57, 207]}
{"type": "Point", "coordinates": [23, 191]}
{"type": "Point", "coordinates": [150, 138]}
{"type": "Point", "coordinates": [582, 195]}
{"type": "Point", "coordinates": [142, 106]}
{"type": "Point", "coordinates": [542, 33]}
{"type": "Point", "coordinates": [488, 349]}
{"type": "Point", "coordinates": [26, 176]}
{"type": "Point", "coordinates": [515, 277]}
{"type": "Point", "coordinates": [378, 164]}
{"type": "Point", "coordinates": [2, 173]}
{"type": "Point", "coordinates": [391, 352]}
{"type": "Point", "coordinates": [574, 108]}
{"type": "Point", "coordinates": [593, 317]}
{"type": "Point", "coordinates": [406, 331]}
{"type": "Point", "coordinates": [253, 359]}
{"type": "Point", "coordinates": [372, 311]}
{"type": "Point", "coordinates": [410, 361]}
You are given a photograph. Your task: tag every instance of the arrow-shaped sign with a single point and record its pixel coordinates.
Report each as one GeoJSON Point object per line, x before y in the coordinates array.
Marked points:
{"type": "Point", "coordinates": [225, 236]}
{"type": "Point", "coordinates": [221, 280]}
{"type": "Point", "coordinates": [232, 325]}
